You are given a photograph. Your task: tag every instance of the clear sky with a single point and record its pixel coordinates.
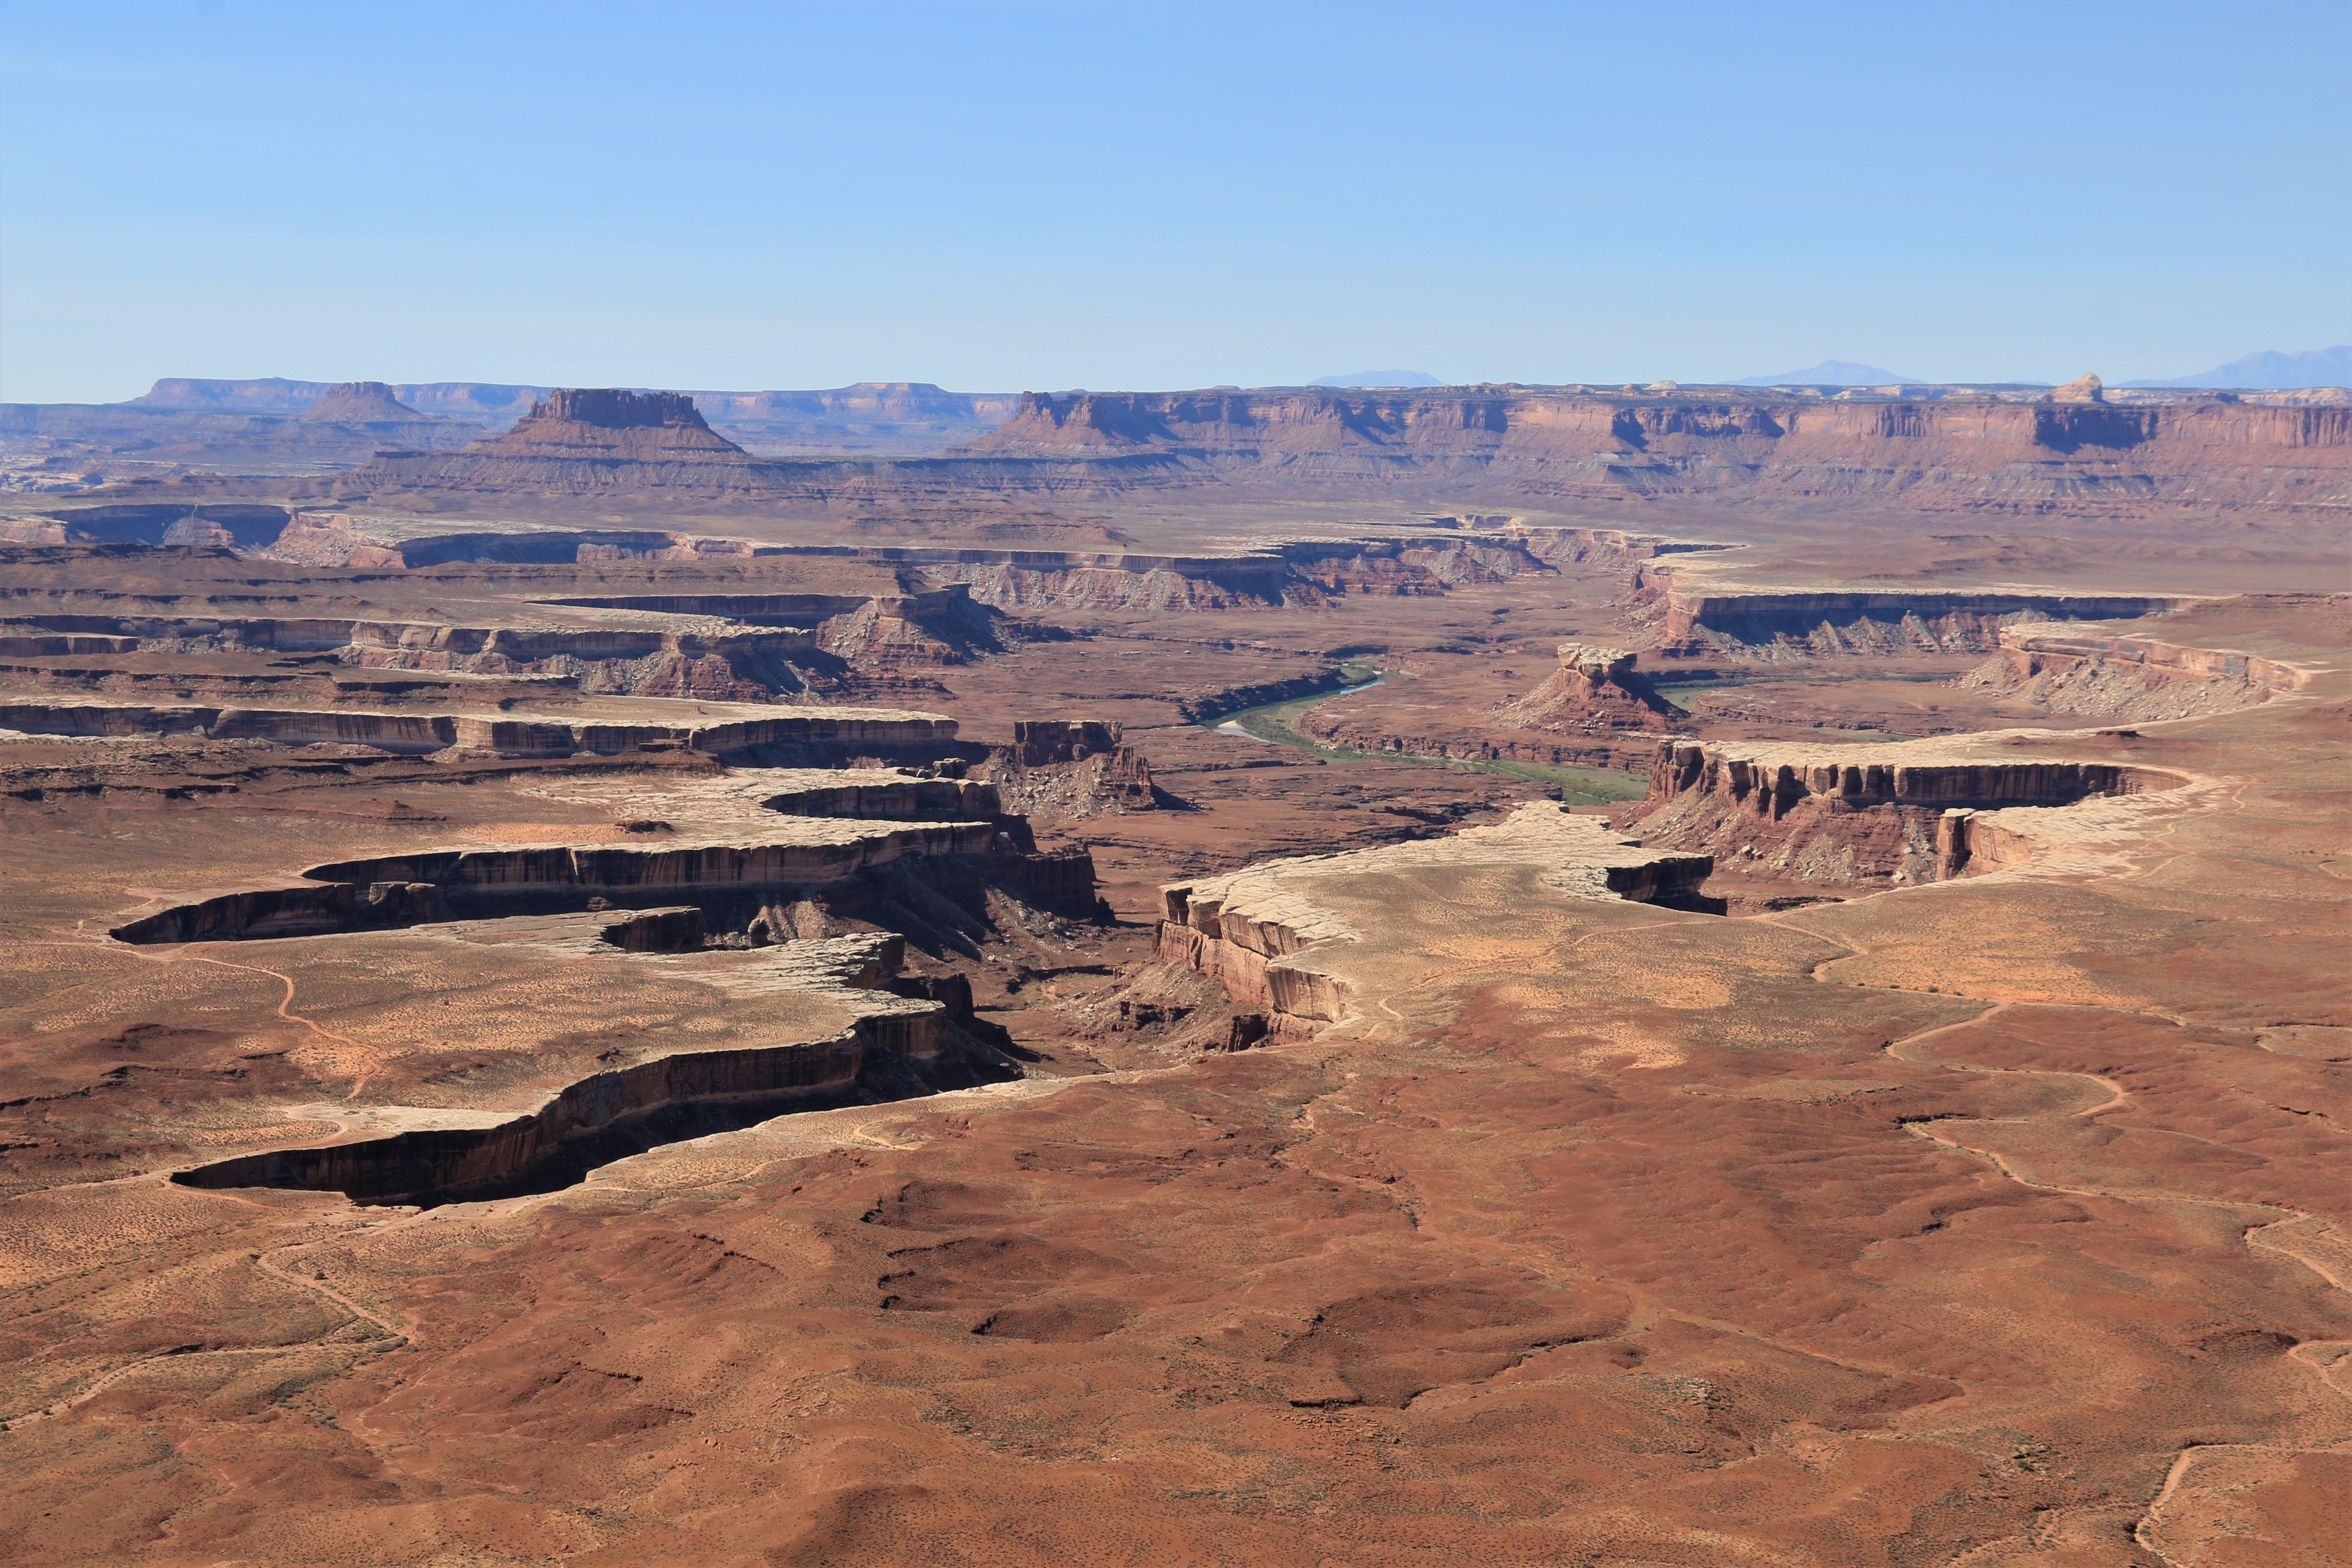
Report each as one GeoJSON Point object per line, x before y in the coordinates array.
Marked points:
{"type": "Point", "coordinates": [1006, 196]}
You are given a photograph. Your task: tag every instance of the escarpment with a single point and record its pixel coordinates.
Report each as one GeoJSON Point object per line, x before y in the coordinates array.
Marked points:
{"type": "Point", "coordinates": [893, 1046]}
{"type": "Point", "coordinates": [2122, 677]}
{"type": "Point", "coordinates": [1938, 447]}
{"type": "Point", "coordinates": [1768, 623]}
{"type": "Point", "coordinates": [611, 425]}
{"type": "Point", "coordinates": [873, 794]}
{"type": "Point", "coordinates": [875, 635]}
{"type": "Point", "coordinates": [777, 645]}
{"type": "Point", "coordinates": [1070, 769]}
{"type": "Point", "coordinates": [800, 734]}
{"type": "Point", "coordinates": [1257, 930]}
{"type": "Point", "coordinates": [736, 879]}
{"type": "Point", "coordinates": [1924, 449]}
{"type": "Point", "coordinates": [1873, 815]}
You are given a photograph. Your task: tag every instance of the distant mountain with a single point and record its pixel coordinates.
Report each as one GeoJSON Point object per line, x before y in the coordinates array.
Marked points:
{"type": "Point", "coordinates": [1832, 372]}
{"type": "Point", "coordinates": [1380, 378]}
{"type": "Point", "coordinates": [2271, 371]}
{"type": "Point", "coordinates": [872, 418]}
{"type": "Point", "coordinates": [363, 403]}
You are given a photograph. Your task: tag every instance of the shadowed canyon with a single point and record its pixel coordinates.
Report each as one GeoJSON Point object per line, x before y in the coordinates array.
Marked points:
{"type": "Point", "coordinates": [1598, 976]}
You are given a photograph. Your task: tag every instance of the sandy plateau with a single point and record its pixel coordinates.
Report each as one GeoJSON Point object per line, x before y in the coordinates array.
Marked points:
{"type": "Point", "coordinates": [1255, 979]}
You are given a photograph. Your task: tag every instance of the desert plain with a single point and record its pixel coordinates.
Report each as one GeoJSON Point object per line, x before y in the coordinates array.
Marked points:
{"type": "Point", "coordinates": [1501, 975]}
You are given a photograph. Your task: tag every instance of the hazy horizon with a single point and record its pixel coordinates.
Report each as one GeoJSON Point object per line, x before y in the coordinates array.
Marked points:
{"type": "Point", "coordinates": [1051, 197]}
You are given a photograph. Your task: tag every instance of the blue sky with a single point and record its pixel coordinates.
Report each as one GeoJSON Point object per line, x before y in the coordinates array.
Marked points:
{"type": "Point", "coordinates": [1018, 195]}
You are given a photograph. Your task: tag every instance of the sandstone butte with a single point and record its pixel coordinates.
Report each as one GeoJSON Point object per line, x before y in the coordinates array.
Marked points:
{"type": "Point", "coordinates": [362, 403]}
{"type": "Point", "coordinates": [1788, 1008]}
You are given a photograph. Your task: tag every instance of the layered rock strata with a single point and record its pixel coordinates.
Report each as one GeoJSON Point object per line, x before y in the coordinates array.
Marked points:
{"type": "Point", "coordinates": [1806, 622]}
{"type": "Point", "coordinates": [612, 425]}
{"type": "Point", "coordinates": [878, 635]}
{"type": "Point", "coordinates": [2128, 678]}
{"type": "Point", "coordinates": [1856, 816]}
{"type": "Point", "coordinates": [605, 653]}
{"type": "Point", "coordinates": [1374, 734]}
{"type": "Point", "coordinates": [518, 735]}
{"type": "Point", "coordinates": [363, 403]}
{"type": "Point", "coordinates": [1594, 689]}
{"type": "Point", "coordinates": [1960, 448]}
{"type": "Point", "coordinates": [1296, 572]}
{"type": "Point", "coordinates": [456, 1163]}
{"type": "Point", "coordinates": [452, 884]}
{"type": "Point", "coordinates": [1070, 770]}
{"type": "Point", "coordinates": [1254, 930]}
{"type": "Point", "coordinates": [877, 795]}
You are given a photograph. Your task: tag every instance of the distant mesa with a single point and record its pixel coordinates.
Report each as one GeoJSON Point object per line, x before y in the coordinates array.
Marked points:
{"type": "Point", "coordinates": [1832, 372]}
{"type": "Point", "coordinates": [2082, 389]}
{"type": "Point", "coordinates": [2272, 370]}
{"type": "Point", "coordinates": [880, 418]}
{"type": "Point", "coordinates": [1380, 378]}
{"type": "Point", "coordinates": [612, 422]}
{"type": "Point", "coordinates": [363, 403]}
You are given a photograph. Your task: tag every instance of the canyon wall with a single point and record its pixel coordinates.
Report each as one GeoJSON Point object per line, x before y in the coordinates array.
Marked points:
{"type": "Point", "coordinates": [1955, 450]}
{"type": "Point", "coordinates": [1256, 932]}
{"type": "Point", "coordinates": [799, 728]}
{"type": "Point", "coordinates": [1932, 447]}
{"type": "Point", "coordinates": [1062, 771]}
{"type": "Point", "coordinates": [1807, 622]}
{"type": "Point", "coordinates": [456, 884]}
{"type": "Point", "coordinates": [458, 1164]}
{"type": "Point", "coordinates": [1299, 573]}
{"type": "Point", "coordinates": [1853, 815]}
{"type": "Point", "coordinates": [2123, 677]}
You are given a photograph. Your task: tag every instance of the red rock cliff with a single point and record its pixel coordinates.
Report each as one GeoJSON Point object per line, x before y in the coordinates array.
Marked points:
{"type": "Point", "coordinates": [1973, 447]}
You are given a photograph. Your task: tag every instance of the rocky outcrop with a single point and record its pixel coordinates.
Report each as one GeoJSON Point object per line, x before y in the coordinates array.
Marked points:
{"type": "Point", "coordinates": [1800, 622]}
{"type": "Point", "coordinates": [522, 735]}
{"type": "Point", "coordinates": [179, 523]}
{"type": "Point", "coordinates": [927, 628]}
{"type": "Point", "coordinates": [1062, 770]}
{"type": "Point", "coordinates": [612, 425]}
{"type": "Point", "coordinates": [1934, 448]}
{"type": "Point", "coordinates": [1039, 743]}
{"type": "Point", "coordinates": [581, 439]}
{"type": "Point", "coordinates": [387, 891]}
{"type": "Point", "coordinates": [335, 539]}
{"type": "Point", "coordinates": [363, 403]}
{"type": "Point", "coordinates": [2128, 678]}
{"type": "Point", "coordinates": [1853, 815]}
{"type": "Point", "coordinates": [1202, 707]}
{"type": "Point", "coordinates": [600, 1116]}
{"type": "Point", "coordinates": [1374, 733]}
{"type": "Point", "coordinates": [1768, 780]}
{"type": "Point", "coordinates": [878, 794]}
{"type": "Point", "coordinates": [1257, 930]}
{"type": "Point", "coordinates": [1311, 573]}
{"type": "Point", "coordinates": [641, 656]}
{"type": "Point", "coordinates": [1594, 689]}
{"type": "Point", "coordinates": [910, 416]}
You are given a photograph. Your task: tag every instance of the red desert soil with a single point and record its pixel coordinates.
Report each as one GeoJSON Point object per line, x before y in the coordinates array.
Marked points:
{"type": "Point", "coordinates": [1996, 1219]}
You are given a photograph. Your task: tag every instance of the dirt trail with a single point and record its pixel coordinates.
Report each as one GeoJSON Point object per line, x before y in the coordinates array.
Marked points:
{"type": "Point", "coordinates": [391, 1337]}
